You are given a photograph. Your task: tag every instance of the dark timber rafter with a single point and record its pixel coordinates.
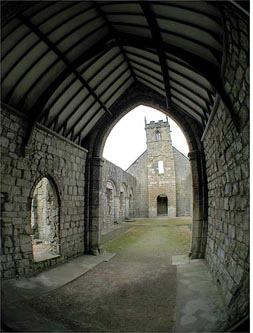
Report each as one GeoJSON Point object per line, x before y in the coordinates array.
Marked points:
{"type": "Point", "coordinates": [150, 69]}
{"type": "Point", "coordinates": [210, 71]}
{"type": "Point", "coordinates": [76, 109]}
{"type": "Point", "coordinates": [68, 64]}
{"type": "Point", "coordinates": [121, 74]}
{"type": "Point", "coordinates": [59, 113]}
{"type": "Point", "coordinates": [63, 58]}
{"type": "Point", "coordinates": [99, 48]}
{"type": "Point", "coordinates": [107, 100]}
{"type": "Point", "coordinates": [115, 36]}
{"type": "Point", "coordinates": [156, 36]}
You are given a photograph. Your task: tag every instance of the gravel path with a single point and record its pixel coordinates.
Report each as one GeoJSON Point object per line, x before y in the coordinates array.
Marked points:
{"type": "Point", "coordinates": [133, 292]}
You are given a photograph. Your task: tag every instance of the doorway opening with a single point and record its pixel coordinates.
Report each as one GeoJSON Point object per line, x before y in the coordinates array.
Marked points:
{"type": "Point", "coordinates": [162, 205]}
{"type": "Point", "coordinates": [45, 221]}
{"type": "Point", "coordinates": [159, 171]}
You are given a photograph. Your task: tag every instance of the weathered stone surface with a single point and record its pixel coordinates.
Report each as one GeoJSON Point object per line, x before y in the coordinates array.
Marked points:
{"type": "Point", "coordinates": [118, 194]}
{"type": "Point", "coordinates": [19, 176]}
{"type": "Point", "coordinates": [228, 258]}
{"type": "Point", "coordinates": [175, 182]}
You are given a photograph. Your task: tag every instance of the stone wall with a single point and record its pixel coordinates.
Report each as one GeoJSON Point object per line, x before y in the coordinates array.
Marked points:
{"type": "Point", "coordinates": [139, 170]}
{"type": "Point", "coordinates": [47, 155]}
{"type": "Point", "coordinates": [226, 146]}
{"type": "Point", "coordinates": [118, 195]}
{"type": "Point", "coordinates": [183, 184]}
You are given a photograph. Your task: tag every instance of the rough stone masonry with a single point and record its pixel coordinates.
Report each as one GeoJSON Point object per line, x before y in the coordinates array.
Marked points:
{"type": "Point", "coordinates": [48, 156]}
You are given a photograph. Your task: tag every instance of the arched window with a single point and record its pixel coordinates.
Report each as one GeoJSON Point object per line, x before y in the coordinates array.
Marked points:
{"type": "Point", "coordinates": [131, 203]}
{"type": "Point", "coordinates": [158, 136]}
{"type": "Point", "coordinates": [45, 221]}
{"type": "Point", "coordinates": [110, 193]}
{"type": "Point", "coordinates": [122, 201]}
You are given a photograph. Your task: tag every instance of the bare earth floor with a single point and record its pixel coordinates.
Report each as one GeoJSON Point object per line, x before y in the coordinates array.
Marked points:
{"type": "Point", "coordinates": [138, 290]}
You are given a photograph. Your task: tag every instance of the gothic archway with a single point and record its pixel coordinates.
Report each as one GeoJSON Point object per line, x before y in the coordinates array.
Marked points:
{"type": "Point", "coordinates": [134, 97]}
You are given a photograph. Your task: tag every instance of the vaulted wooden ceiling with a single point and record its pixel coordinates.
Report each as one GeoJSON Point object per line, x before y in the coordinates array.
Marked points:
{"type": "Point", "coordinates": [64, 64]}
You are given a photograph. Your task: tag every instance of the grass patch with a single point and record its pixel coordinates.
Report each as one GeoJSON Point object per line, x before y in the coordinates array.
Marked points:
{"type": "Point", "coordinates": [148, 239]}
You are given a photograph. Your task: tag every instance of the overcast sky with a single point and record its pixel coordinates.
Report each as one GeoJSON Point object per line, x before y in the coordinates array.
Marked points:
{"type": "Point", "coordinates": [127, 140]}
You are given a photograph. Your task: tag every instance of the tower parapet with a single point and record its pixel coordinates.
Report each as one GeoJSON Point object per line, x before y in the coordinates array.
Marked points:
{"type": "Point", "coordinates": [159, 123]}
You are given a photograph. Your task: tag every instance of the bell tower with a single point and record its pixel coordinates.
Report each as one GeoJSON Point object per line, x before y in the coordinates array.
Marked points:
{"type": "Point", "coordinates": [161, 169]}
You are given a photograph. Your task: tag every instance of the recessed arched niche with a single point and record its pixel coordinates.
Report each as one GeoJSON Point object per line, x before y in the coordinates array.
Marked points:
{"type": "Point", "coordinates": [45, 221]}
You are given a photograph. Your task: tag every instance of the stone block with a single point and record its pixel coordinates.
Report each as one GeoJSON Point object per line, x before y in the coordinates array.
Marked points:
{"type": "Point", "coordinates": [238, 274]}
{"type": "Point", "coordinates": [25, 239]}
{"type": "Point", "coordinates": [17, 220]}
{"type": "Point", "coordinates": [226, 205]}
{"type": "Point", "coordinates": [23, 183]}
{"type": "Point", "coordinates": [14, 126]}
{"type": "Point", "coordinates": [4, 142]}
{"type": "Point", "coordinates": [8, 180]}
{"type": "Point", "coordinates": [7, 229]}
{"type": "Point", "coordinates": [8, 242]}
{"type": "Point", "coordinates": [26, 247]}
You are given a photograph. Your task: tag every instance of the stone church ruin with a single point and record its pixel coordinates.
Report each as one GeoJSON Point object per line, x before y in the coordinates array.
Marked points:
{"type": "Point", "coordinates": [157, 183]}
{"type": "Point", "coordinates": [70, 70]}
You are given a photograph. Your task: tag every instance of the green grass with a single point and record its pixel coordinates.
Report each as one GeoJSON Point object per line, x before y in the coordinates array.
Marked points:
{"type": "Point", "coordinates": [164, 221]}
{"type": "Point", "coordinates": [153, 237]}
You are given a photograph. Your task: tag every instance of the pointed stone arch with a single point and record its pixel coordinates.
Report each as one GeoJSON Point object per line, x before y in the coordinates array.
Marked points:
{"type": "Point", "coordinates": [110, 198]}
{"type": "Point", "coordinates": [139, 95]}
{"type": "Point", "coordinates": [45, 219]}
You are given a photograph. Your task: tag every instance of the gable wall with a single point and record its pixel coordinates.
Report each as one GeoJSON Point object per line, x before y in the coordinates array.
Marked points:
{"type": "Point", "coordinates": [139, 170]}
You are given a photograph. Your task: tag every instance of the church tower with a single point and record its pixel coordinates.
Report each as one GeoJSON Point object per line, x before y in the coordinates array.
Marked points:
{"type": "Point", "coordinates": [161, 169]}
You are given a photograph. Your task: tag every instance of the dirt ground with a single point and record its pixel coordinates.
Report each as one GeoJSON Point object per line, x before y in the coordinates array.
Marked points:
{"type": "Point", "coordinates": [133, 292]}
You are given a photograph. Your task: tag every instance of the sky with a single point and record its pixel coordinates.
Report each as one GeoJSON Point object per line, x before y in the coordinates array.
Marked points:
{"type": "Point", "coordinates": [127, 140]}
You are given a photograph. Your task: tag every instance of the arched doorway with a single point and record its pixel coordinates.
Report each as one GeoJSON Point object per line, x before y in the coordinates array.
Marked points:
{"type": "Point", "coordinates": [162, 204]}
{"type": "Point", "coordinates": [95, 163]}
{"type": "Point", "coordinates": [45, 221]}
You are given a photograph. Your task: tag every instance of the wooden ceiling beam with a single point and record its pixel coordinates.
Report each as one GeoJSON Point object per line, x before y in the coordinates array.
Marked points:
{"type": "Point", "coordinates": [80, 89]}
{"type": "Point", "coordinates": [175, 80]}
{"type": "Point", "coordinates": [195, 25]}
{"type": "Point", "coordinates": [100, 95]}
{"type": "Point", "coordinates": [98, 48]}
{"type": "Point", "coordinates": [157, 39]}
{"type": "Point", "coordinates": [114, 34]}
{"type": "Point", "coordinates": [205, 68]}
{"type": "Point", "coordinates": [61, 56]}
{"type": "Point", "coordinates": [93, 103]}
{"type": "Point", "coordinates": [108, 98]}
